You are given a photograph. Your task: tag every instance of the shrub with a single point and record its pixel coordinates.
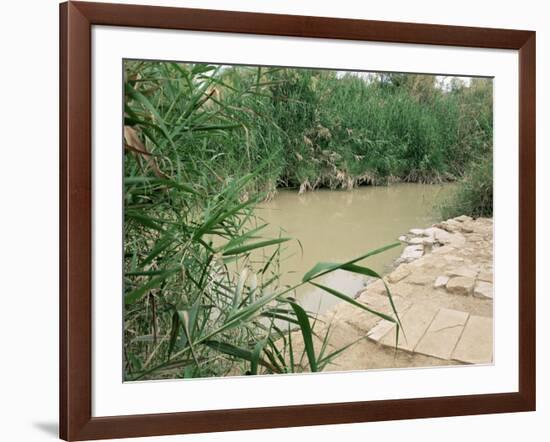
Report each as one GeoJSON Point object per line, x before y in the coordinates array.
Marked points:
{"type": "Point", "coordinates": [474, 194]}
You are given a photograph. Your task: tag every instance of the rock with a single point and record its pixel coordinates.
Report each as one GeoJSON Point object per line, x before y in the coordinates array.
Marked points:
{"type": "Point", "coordinates": [462, 218]}
{"type": "Point", "coordinates": [486, 276]}
{"type": "Point", "coordinates": [402, 289]}
{"type": "Point", "coordinates": [376, 287]}
{"type": "Point", "coordinates": [380, 330]}
{"type": "Point", "coordinates": [416, 240]}
{"type": "Point", "coordinates": [474, 237]}
{"type": "Point", "coordinates": [483, 290]}
{"type": "Point", "coordinates": [453, 258]}
{"type": "Point", "coordinates": [443, 333]}
{"type": "Point", "coordinates": [476, 343]}
{"type": "Point", "coordinates": [460, 285]}
{"type": "Point", "coordinates": [466, 229]}
{"type": "Point", "coordinates": [441, 281]}
{"type": "Point", "coordinates": [428, 247]}
{"type": "Point", "coordinates": [457, 240]}
{"type": "Point", "coordinates": [402, 238]}
{"type": "Point", "coordinates": [450, 226]}
{"type": "Point", "coordinates": [411, 253]}
{"type": "Point", "coordinates": [415, 322]}
{"type": "Point", "coordinates": [444, 250]}
{"type": "Point", "coordinates": [417, 232]}
{"type": "Point", "coordinates": [419, 279]}
{"type": "Point", "coordinates": [399, 273]}
{"type": "Point", "coordinates": [438, 235]}
{"type": "Point", "coordinates": [468, 272]}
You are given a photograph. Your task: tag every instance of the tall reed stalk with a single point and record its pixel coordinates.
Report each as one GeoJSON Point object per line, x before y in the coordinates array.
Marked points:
{"type": "Point", "coordinates": [198, 300]}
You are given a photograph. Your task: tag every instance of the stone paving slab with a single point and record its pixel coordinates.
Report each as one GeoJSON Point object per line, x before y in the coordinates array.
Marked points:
{"type": "Point", "coordinates": [443, 334]}
{"type": "Point", "coordinates": [380, 330]}
{"type": "Point", "coordinates": [461, 285]}
{"type": "Point", "coordinates": [483, 290]}
{"type": "Point", "coordinates": [415, 322]}
{"type": "Point", "coordinates": [476, 343]}
{"type": "Point", "coordinates": [441, 328]}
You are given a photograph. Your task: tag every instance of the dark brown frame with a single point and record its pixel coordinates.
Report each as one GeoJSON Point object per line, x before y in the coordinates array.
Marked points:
{"type": "Point", "coordinates": [76, 421]}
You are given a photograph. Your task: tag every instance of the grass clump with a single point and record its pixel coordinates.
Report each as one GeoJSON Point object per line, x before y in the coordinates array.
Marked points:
{"type": "Point", "coordinates": [474, 193]}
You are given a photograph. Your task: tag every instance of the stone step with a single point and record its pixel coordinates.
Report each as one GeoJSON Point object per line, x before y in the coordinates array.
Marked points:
{"type": "Point", "coordinates": [476, 344]}
{"type": "Point", "coordinates": [439, 332]}
{"type": "Point", "coordinates": [415, 322]}
{"type": "Point", "coordinates": [443, 334]}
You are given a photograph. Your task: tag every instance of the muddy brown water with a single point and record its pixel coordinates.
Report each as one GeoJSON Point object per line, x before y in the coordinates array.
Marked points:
{"type": "Point", "coordinates": [337, 226]}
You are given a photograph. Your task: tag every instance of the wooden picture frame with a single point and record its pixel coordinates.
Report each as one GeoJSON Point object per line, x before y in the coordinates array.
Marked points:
{"type": "Point", "coordinates": [76, 21]}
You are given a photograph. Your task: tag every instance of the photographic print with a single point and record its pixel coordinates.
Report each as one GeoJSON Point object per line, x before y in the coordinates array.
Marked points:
{"type": "Point", "coordinates": [282, 220]}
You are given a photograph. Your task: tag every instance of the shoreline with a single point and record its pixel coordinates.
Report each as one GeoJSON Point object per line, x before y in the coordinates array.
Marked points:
{"type": "Point", "coordinates": [442, 289]}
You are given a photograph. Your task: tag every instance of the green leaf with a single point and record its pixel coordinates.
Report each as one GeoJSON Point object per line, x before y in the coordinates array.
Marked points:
{"type": "Point", "coordinates": [352, 301]}
{"type": "Point", "coordinates": [248, 247]}
{"type": "Point", "coordinates": [256, 357]}
{"type": "Point", "coordinates": [136, 294]}
{"type": "Point", "coordinates": [307, 334]}
{"type": "Point", "coordinates": [173, 334]}
{"type": "Point", "coordinates": [230, 349]}
{"type": "Point", "coordinates": [323, 268]}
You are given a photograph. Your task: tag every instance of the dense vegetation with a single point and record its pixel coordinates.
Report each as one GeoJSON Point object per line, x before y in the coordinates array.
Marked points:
{"type": "Point", "coordinates": [204, 144]}
{"type": "Point", "coordinates": [322, 128]}
{"type": "Point", "coordinates": [474, 194]}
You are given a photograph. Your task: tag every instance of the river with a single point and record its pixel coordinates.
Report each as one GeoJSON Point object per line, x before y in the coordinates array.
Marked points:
{"type": "Point", "coordinates": [336, 226]}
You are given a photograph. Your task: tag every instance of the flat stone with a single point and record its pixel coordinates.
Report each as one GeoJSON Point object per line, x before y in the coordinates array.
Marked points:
{"type": "Point", "coordinates": [410, 253]}
{"type": "Point", "coordinates": [449, 225]}
{"type": "Point", "coordinates": [432, 231]}
{"type": "Point", "coordinates": [415, 323]}
{"type": "Point", "coordinates": [402, 238]}
{"type": "Point", "coordinates": [476, 343]}
{"type": "Point", "coordinates": [415, 240]}
{"type": "Point", "coordinates": [441, 281]}
{"type": "Point", "coordinates": [453, 258]}
{"type": "Point", "coordinates": [380, 330]}
{"type": "Point", "coordinates": [485, 276]}
{"type": "Point", "coordinates": [416, 232]}
{"type": "Point", "coordinates": [340, 333]}
{"type": "Point", "coordinates": [420, 279]}
{"type": "Point", "coordinates": [463, 218]}
{"type": "Point", "coordinates": [444, 250]}
{"type": "Point", "coordinates": [483, 290]}
{"type": "Point", "coordinates": [460, 285]}
{"type": "Point", "coordinates": [457, 240]}
{"type": "Point", "coordinates": [466, 229]}
{"type": "Point", "coordinates": [360, 319]}
{"type": "Point", "coordinates": [440, 235]}
{"type": "Point", "coordinates": [467, 272]}
{"type": "Point", "coordinates": [443, 333]}
{"type": "Point", "coordinates": [376, 287]}
{"type": "Point", "coordinates": [363, 320]}
{"type": "Point", "coordinates": [402, 289]}
{"type": "Point", "coordinates": [399, 273]}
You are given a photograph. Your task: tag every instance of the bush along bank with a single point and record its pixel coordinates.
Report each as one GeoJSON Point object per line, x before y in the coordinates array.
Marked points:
{"type": "Point", "coordinates": [312, 128]}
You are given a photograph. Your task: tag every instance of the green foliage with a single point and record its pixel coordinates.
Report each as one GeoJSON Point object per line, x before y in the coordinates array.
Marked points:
{"type": "Point", "coordinates": [320, 128]}
{"type": "Point", "coordinates": [204, 144]}
{"type": "Point", "coordinates": [474, 194]}
{"type": "Point", "coordinates": [202, 294]}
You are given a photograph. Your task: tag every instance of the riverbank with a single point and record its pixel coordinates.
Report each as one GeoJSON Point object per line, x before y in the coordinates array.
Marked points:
{"type": "Point", "coordinates": [443, 292]}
